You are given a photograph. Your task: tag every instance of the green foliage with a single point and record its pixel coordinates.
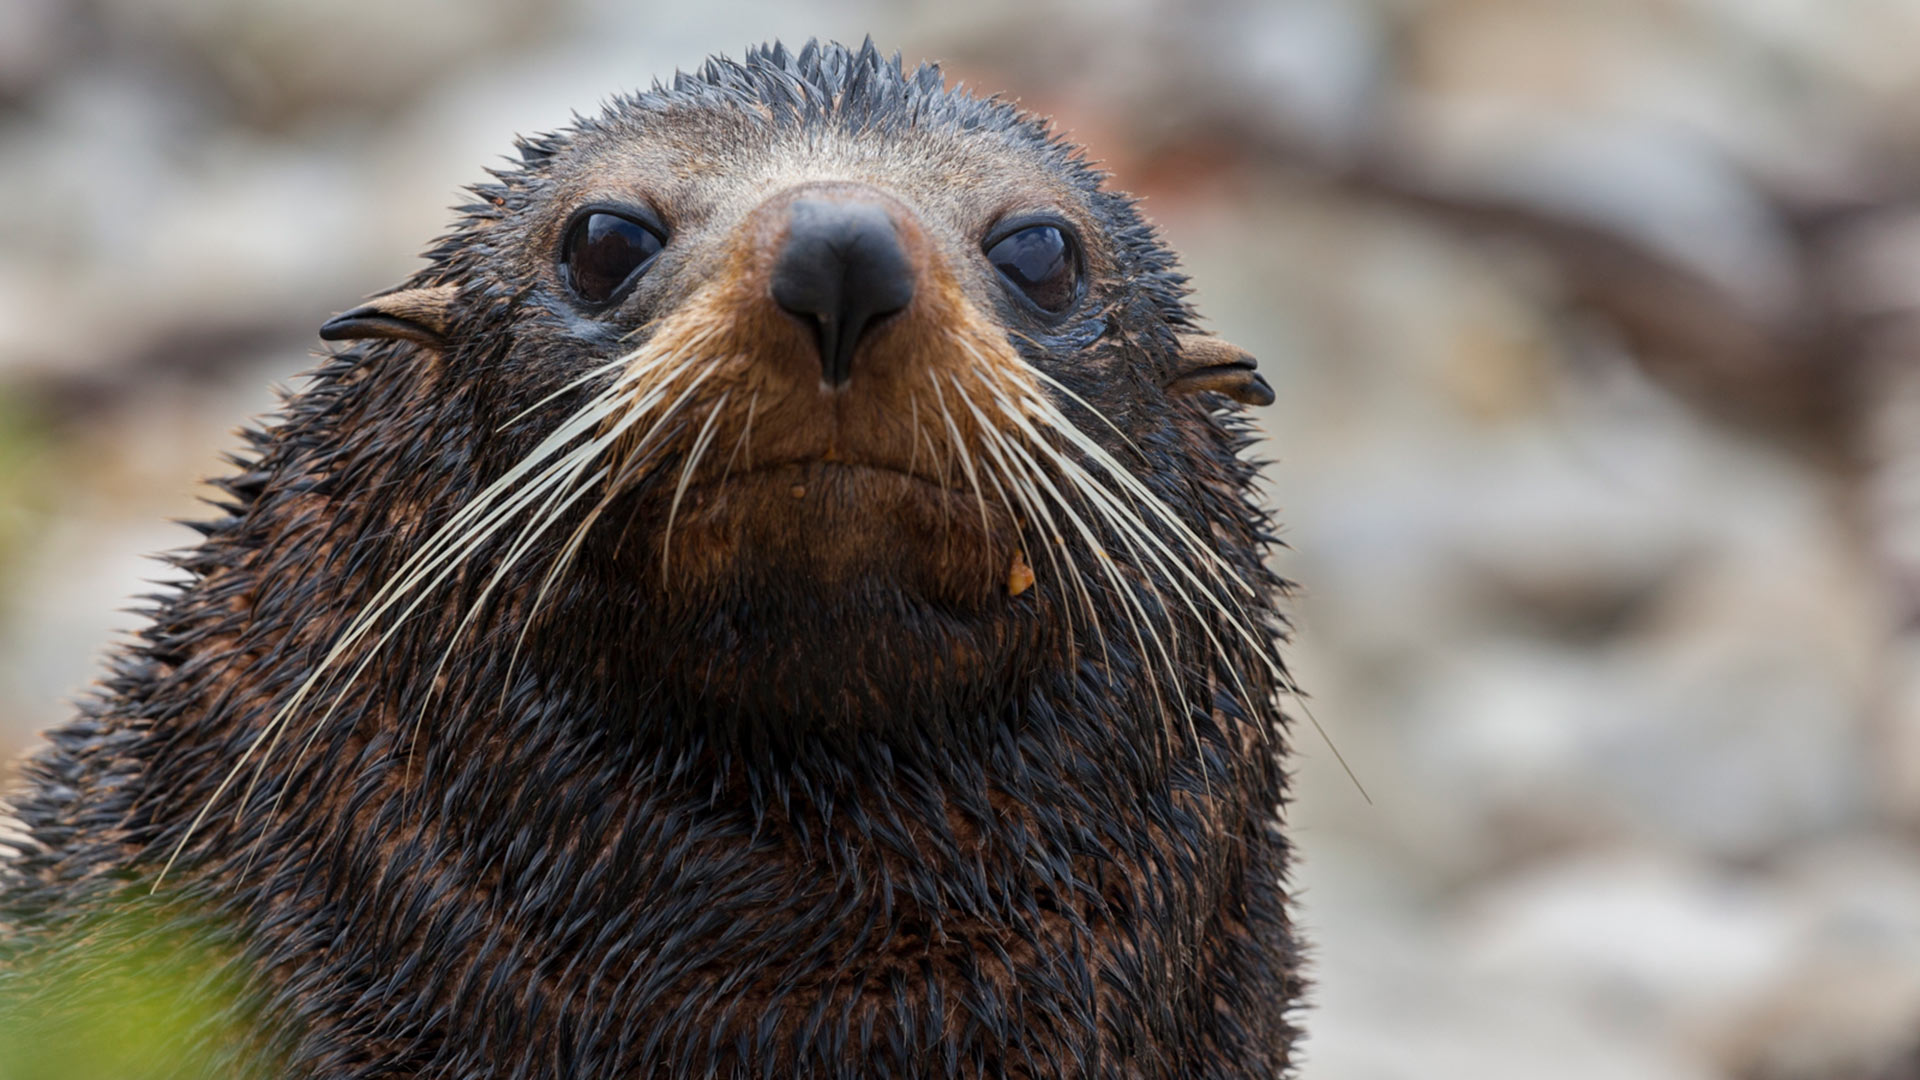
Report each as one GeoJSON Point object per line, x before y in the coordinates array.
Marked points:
{"type": "Point", "coordinates": [26, 449]}
{"type": "Point", "coordinates": [123, 998]}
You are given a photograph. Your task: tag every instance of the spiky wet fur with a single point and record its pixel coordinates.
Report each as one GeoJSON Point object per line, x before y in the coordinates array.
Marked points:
{"type": "Point", "coordinates": [559, 859]}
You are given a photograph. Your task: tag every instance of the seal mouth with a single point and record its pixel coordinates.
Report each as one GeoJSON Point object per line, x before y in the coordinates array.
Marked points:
{"type": "Point", "coordinates": [810, 522]}
{"type": "Point", "coordinates": [808, 472]}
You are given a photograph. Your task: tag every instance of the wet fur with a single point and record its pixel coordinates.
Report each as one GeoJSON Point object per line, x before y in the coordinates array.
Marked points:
{"type": "Point", "coordinates": [764, 826]}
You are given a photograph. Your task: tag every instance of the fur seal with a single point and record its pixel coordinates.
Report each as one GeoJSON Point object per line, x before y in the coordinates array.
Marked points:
{"type": "Point", "coordinates": [778, 595]}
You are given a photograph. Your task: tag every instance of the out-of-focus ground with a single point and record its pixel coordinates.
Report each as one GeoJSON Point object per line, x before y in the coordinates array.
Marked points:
{"type": "Point", "coordinates": [1598, 440]}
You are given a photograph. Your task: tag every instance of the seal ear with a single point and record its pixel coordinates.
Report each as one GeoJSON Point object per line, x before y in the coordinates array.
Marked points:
{"type": "Point", "coordinates": [416, 315]}
{"type": "Point", "coordinates": [1207, 363]}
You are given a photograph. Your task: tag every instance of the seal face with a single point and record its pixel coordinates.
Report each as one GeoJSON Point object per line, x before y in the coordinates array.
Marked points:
{"type": "Point", "coordinates": [778, 595]}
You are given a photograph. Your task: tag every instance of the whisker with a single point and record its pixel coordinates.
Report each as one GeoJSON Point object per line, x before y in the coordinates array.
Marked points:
{"type": "Point", "coordinates": [1058, 421]}
{"type": "Point", "coordinates": [700, 443]}
{"type": "Point", "coordinates": [1141, 624]}
{"type": "Point", "coordinates": [1135, 530]}
{"type": "Point", "coordinates": [546, 517]}
{"type": "Point", "coordinates": [746, 429]}
{"type": "Point", "coordinates": [1131, 530]}
{"type": "Point", "coordinates": [438, 570]}
{"type": "Point", "coordinates": [1235, 617]}
{"type": "Point", "coordinates": [609, 366]}
{"type": "Point", "coordinates": [1051, 531]}
{"type": "Point", "coordinates": [913, 457]}
{"type": "Point", "coordinates": [1145, 497]}
{"type": "Point", "coordinates": [639, 456]}
{"type": "Point", "coordinates": [966, 459]}
{"type": "Point", "coordinates": [563, 498]}
{"type": "Point", "coordinates": [539, 473]}
{"type": "Point", "coordinates": [561, 564]}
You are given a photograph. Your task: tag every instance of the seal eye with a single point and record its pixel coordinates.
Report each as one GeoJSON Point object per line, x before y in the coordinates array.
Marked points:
{"type": "Point", "coordinates": [603, 253]}
{"type": "Point", "coordinates": [1040, 261]}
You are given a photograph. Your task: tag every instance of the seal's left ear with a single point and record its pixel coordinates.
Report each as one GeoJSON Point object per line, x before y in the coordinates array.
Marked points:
{"type": "Point", "coordinates": [1207, 363]}
{"type": "Point", "coordinates": [416, 315]}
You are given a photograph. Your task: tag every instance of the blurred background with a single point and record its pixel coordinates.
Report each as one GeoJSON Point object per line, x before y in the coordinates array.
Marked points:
{"type": "Point", "coordinates": [1593, 324]}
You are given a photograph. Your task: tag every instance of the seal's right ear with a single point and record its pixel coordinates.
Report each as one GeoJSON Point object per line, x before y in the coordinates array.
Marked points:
{"type": "Point", "coordinates": [416, 315]}
{"type": "Point", "coordinates": [1207, 363]}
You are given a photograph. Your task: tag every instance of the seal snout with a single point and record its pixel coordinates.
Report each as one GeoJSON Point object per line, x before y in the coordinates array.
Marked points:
{"type": "Point", "coordinates": [842, 269]}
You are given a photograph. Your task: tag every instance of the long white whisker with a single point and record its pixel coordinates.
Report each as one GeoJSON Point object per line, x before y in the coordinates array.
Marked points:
{"type": "Point", "coordinates": [1236, 621]}
{"type": "Point", "coordinates": [559, 568]}
{"type": "Point", "coordinates": [746, 429]}
{"type": "Point", "coordinates": [966, 459]}
{"type": "Point", "coordinates": [437, 558]}
{"type": "Point", "coordinates": [1145, 497]}
{"type": "Point", "coordinates": [563, 496]}
{"type": "Point", "coordinates": [1141, 541]}
{"type": "Point", "coordinates": [913, 457]}
{"type": "Point", "coordinates": [270, 734]}
{"type": "Point", "coordinates": [1141, 623]}
{"type": "Point", "coordinates": [1134, 531]}
{"type": "Point", "coordinates": [638, 456]}
{"type": "Point", "coordinates": [1136, 534]}
{"type": "Point", "coordinates": [1058, 421]}
{"type": "Point", "coordinates": [1047, 528]}
{"type": "Point", "coordinates": [609, 366]}
{"type": "Point", "coordinates": [700, 443]}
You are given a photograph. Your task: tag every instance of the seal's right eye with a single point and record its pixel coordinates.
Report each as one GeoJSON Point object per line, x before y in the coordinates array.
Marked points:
{"type": "Point", "coordinates": [605, 252]}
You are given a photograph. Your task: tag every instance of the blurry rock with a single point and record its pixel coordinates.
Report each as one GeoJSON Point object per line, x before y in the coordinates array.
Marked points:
{"type": "Point", "coordinates": [1850, 1004]}
{"type": "Point", "coordinates": [280, 62]}
{"type": "Point", "coordinates": [1726, 744]}
{"type": "Point", "coordinates": [138, 222]}
{"type": "Point", "coordinates": [1898, 764]}
{"type": "Point", "coordinates": [35, 39]}
{"type": "Point", "coordinates": [1674, 194]}
{"type": "Point", "coordinates": [1646, 941]}
{"type": "Point", "coordinates": [1397, 997]}
{"type": "Point", "coordinates": [1311, 70]}
{"type": "Point", "coordinates": [104, 155]}
{"type": "Point", "coordinates": [1893, 517]}
{"type": "Point", "coordinates": [1861, 56]}
{"type": "Point", "coordinates": [1875, 262]}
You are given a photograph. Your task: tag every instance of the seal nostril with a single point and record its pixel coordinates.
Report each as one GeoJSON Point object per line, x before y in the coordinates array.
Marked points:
{"type": "Point", "coordinates": [842, 270]}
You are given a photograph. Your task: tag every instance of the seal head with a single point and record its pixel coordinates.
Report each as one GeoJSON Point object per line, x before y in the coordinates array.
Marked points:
{"type": "Point", "coordinates": [839, 339]}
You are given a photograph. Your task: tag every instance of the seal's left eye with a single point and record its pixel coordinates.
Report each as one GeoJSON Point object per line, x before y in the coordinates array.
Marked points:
{"type": "Point", "coordinates": [603, 253]}
{"type": "Point", "coordinates": [1040, 261]}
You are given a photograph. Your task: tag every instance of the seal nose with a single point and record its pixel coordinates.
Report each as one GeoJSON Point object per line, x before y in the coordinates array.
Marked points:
{"type": "Point", "coordinates": [843, 270]}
